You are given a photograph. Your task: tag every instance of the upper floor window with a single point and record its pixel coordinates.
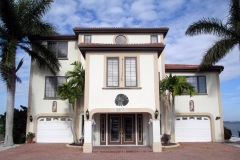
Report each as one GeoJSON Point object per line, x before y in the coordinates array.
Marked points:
{"type": "Point", "coordinates": [199, 83]}
{"type": "Point", "coordinates": [121, 72]}
{"type": "Point", "coordinates": [59, 48]}
{"type": "Point", "coordinates": [112, 72]}
{"type": "Point", "coordinates": [51, 85]}
{"type": "Point", "coordinates": [154, 39]}
{"type": "Point", "coordinates": [130, 72]}
{"type": "Point", "coordinates": [87, 38]}
{"type": "Point", "coordinates": [120, 39]}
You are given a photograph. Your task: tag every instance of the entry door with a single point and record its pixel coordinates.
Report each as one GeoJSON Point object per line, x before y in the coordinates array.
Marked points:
{"type": "Point", "coordinates": [121, 129]}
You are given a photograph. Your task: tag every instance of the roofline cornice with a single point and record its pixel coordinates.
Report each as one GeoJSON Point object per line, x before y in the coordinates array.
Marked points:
{"type": "Point", "coordinates": [59, 37]}
{"type": "Point", "coordinates": [157, 30]}
{"type": "Point", "coordinates": [218, 69]}
{"type": "Point", "coordinates": [120, 48]}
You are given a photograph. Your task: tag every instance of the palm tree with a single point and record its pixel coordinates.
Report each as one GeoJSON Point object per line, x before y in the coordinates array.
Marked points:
{"type": "Point", "coordinates": [229, 34]}
{"type": "Point", "coordinates": [21, 25]}
{"type": "Point", "coordinates": [72, 90]}
{"type": "Point", "coordinates": [173, 86]}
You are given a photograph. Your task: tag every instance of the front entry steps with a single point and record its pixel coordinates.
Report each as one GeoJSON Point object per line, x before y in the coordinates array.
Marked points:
{"type": "Point", "coordinates": [121, 149]}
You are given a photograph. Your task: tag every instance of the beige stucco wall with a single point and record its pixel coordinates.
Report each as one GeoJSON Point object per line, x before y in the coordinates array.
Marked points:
{"type": "Point", "coordinates": [204, 104]}
{"type": "Point", "coordinates": [141, 97]}
{"type": "Point", "coordinates": [38, 106]}
{"type": "Point", "coordinates": [131, 38]}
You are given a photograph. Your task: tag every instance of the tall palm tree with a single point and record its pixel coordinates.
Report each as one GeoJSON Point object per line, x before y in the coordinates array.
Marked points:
{"type": "Point", "coordinates": [21, 25]}
{"type": "Point", "coordinates": [173, 86]}
{"type": "Point", "coordinates": [229, 34]}
{"type": "Point", "coordinates": [72, 90]}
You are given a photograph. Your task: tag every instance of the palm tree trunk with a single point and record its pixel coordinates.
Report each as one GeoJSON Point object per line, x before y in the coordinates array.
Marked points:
{"type": "Point", "coordinates": [8, 141]}
{"type": "Point", "coordinates": [73, 115]}
{"type": "Point", "coordinates": [166, 121]}
{"type": "Point", "coordinates": [166, 109]}
{"type": "Point", "coordinates": [173, 120]}
{"type": "Point", "coordinates": [10, 75]}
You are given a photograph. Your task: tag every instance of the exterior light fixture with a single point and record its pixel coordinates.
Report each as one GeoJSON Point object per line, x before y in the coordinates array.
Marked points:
{"type": "Point", "coordinates": [30, 118]}
{"type": "Point", "coordinates": [156, 114]}
{"type": "Point", "coordinates": [217, 118]}
{"type": "Point", "coordinates": [87, 114]}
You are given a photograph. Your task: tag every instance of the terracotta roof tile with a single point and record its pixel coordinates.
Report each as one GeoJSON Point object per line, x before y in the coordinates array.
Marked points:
{"type": "Point", "coordinates": [121, 45]}
{"type": "Point", "coordinates": [121, 30]}
{"type": "Point", "coordinates": [190, 68]}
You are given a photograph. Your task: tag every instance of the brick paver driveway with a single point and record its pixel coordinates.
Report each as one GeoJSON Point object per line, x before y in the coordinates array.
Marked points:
{"type": "Point", "coordinates": [187, 151]}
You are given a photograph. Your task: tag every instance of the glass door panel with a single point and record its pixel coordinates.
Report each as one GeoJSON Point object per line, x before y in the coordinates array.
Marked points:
{"type": "Point", "coordinates": [128, 129]}
{"type": "Point", "coordinates": [114, 129]}
{"type": "Point", "coordinates": [121, 129]}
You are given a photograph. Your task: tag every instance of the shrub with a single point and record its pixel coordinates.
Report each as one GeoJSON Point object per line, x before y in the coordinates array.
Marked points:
{"type": "Point", "coordinates": [166, 139]}
{"type": "Point", "coordinates": [19, 125]}
{"type": "Point", "coordinates": [227, 133]}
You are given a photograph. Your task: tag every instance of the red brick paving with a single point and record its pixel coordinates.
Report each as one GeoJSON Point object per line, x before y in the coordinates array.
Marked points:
{"type": "Point", "coordinates": [187, 151]}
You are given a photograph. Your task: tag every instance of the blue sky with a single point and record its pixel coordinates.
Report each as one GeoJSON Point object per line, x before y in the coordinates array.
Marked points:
{"type": "Point", "coordinates": [175, 14]}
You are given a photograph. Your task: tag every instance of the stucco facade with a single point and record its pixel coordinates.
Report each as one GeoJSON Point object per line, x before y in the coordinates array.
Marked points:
{"type": "Point", "coordinates": [123, 67]}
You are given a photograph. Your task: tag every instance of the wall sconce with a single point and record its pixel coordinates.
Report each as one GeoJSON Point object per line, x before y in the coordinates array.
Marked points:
{"type": "Point", "coordinates": [150, 121]}
{"type": "Point", "coordinates": [93, 122]}
{"type": "Point", "coordinates": [30, 118]}
{"type": "Point", "coordinates": [156, 114]}
{"type": "Point", "coordinates": [87, 114]}
{"type": "Point", "coordinates": [217, 118]}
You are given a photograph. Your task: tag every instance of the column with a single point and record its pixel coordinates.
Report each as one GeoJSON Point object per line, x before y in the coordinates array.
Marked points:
{"type": "Point", "coordinates": [87, 146]}
{"type": "Point", "coordinates": [156, 146]}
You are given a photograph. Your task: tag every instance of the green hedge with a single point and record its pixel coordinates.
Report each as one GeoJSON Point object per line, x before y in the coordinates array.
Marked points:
{"type": "Point", "coordinates": [227, 133]}
{"type": "Point", "coordinates": [19, 126]}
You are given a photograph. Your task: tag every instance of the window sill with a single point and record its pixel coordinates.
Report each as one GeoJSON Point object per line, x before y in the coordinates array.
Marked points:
{"type": "Point", "coordinates": [201, 94]}
{"type": "Point", "coordinates": [112, 88]}
{"type": "Point", "coordinates": [62, 58]}
{"type": "Point", "coordinates": [51, 98]}
{"type": "Point", "coordinates": [197, 94]}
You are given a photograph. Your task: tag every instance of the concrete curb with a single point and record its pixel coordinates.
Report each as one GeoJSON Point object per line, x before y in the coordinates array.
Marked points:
{"type": "Point", "coordinates": [172, 146]}
{"type": "Point", "coordinates": [71, 146]}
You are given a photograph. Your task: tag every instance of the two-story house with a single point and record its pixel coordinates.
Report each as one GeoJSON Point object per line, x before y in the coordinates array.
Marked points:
{"type": "Point", "coordinates": [121, 104]}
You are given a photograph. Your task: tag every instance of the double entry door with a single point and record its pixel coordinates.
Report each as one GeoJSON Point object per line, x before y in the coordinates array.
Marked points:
{"type": "Point", "coordinates": [121, 129]}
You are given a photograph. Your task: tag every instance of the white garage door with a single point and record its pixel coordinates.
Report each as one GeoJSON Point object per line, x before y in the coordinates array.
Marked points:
{"type": "Point", "coordinates": [193, 129]}
{"type": "Point", "coordinates": [54, 130]}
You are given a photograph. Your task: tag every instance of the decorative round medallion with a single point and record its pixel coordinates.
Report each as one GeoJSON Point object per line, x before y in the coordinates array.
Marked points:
{"type": "Point", "coordinates": [120, 39]}
{"type": "Point", "coordinates": [121, 100]}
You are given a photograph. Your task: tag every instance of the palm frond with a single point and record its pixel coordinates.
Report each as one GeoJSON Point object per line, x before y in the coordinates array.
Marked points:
{"type": "Point", "coordinates": [8, 16]}
{"type": "Point", "coordinates": [177, 85]}
{"type": "Point", "coordinates": [234, 12]}
{"type": "Point", "coordinates": [19, 65]}
{"type": "Point", "coordinates": [208, 26]}
{"type": "Point", "coordinates": [66, 92]}
{"type": "Point", "coordinates": [44, 57]}
{"type": "Point", "coordinates": [74, 87]}
{"type": "Point", "coordinates": [39, 28]}
{"type": "Point", "coordinates": [36, 8]}
{"type": "Point", "coordinates": [217, 52]}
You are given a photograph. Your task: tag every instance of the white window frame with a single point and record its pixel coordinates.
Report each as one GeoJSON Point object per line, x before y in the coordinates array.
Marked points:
{"type": "Point", "coordinates": [131, 72]}
{"type": "Point", "coordinates": [108, 76]}
{"type": "Point", "coordinates": [87, 38]}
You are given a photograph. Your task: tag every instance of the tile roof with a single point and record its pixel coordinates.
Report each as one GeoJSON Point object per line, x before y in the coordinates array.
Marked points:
{"type": "Point", "coordinates": [59, 37]}
{"type": "Point", "coordinates": [191, 68]}
{"type": "Point", "coordinates": [146, 47]}
{"type": "Point", "coordinates": [121, 45]}
{"type": "Point", "coordinates": [121, 30]}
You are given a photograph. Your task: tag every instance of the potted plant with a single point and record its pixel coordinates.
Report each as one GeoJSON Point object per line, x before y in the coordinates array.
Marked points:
{"type": "Point", "coordinates": [30, 137]}
{"type": "Point", "coordinates": [166, 139]}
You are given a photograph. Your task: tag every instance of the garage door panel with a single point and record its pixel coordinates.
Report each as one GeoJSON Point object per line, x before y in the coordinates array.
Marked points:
{"type": "Point", "coordinates": [54, 130]}
{"type": "Point", "coordinates": [193, 129]}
